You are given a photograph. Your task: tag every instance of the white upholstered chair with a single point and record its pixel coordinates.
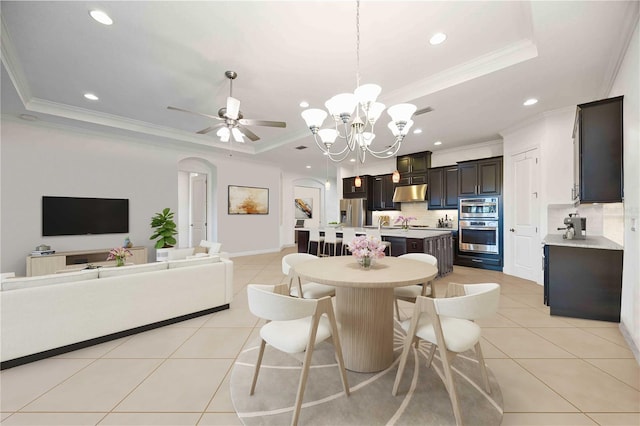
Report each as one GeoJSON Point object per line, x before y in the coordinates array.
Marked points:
{"type": "Point", "coordinates": [294, 326]}
{"type": "Point", "coordinates": [309, 290]}
{"type": "Point", "coordinates": [314, 237]}
{"type": "Point", "coordinates": [447, 323]}
{"type": "Point", "coordinates": [410, 292]}
{"type": "Point", "coordinates": [348, 234]}
{"type": "Point", "coordinates": [330, 237]}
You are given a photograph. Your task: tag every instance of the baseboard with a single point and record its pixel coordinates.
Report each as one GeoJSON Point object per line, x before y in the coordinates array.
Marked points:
{"type": "Point", "coordinates": [120, 334]}
{"type": "Point", "coordinates": [629, 339]}
{"type": "Point", "coordinates": [254, 252]}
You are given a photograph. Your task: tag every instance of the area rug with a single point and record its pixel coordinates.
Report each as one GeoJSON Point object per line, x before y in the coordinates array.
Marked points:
{"type": "Point", "coordinates": [422, 398]}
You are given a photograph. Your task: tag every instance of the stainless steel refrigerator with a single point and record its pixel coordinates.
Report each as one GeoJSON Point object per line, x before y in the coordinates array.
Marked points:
{"type": "Point", "coordinates": [353, 212]}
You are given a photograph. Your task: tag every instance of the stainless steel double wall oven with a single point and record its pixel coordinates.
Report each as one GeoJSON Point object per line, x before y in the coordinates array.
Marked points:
{"type": "Point", "coordinates": [479, 230]}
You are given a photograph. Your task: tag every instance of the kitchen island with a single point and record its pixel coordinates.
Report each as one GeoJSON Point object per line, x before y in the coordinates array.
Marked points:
{"type": "Point", "coordinates": [437, 242]}
{"type": "Point", "coordinates": [583, 278]}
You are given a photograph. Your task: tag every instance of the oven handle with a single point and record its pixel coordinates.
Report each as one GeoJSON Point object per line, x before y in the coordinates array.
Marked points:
{"type": "Point", "coordinates": [477, 228]}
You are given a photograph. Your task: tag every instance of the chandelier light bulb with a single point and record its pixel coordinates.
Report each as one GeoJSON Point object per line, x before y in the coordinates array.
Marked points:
{"type": "Point", "coordinates": [374, 112]}
{"type": "Point", "coordinates": [401, 112]}
{"type": "Point", "coordinates": [343, 104]}
{"type": "Point", "coordinates": [367, 93]}
{"type": "Point", "coordinates": [328, 136]}
{"type": "Point", "coordinates": [314, 117]}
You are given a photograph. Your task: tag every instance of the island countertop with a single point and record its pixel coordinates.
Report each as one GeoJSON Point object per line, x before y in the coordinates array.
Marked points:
{"type": "Point", "coordinates": [596, 242]}
{"type": "Point", "coordinates": [394, 231]}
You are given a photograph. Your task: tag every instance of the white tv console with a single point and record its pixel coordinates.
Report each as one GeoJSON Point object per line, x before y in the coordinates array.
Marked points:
{"type": "Point", "coordinates": [52, 263]}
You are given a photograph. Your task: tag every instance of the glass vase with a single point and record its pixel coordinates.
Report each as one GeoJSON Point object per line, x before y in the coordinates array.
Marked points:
{"type": "Point", "coordinates": [366, 262]}
{"type": "Point", "coordinates": [120, 261]}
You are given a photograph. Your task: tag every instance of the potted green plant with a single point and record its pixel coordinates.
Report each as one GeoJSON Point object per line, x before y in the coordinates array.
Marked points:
{"type": "Point", "coordinates": [164, 229]}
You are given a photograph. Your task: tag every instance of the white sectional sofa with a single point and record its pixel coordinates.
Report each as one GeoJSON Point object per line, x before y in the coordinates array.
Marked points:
{"type": "Point", "coordinates": [52, 314]}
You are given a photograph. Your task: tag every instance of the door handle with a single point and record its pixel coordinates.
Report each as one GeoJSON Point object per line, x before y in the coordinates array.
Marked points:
{"type": "Point", "coordinates": [512, 230]}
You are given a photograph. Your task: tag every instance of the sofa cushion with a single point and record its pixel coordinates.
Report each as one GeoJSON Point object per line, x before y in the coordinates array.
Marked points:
{"type": "Point", "coordinates": [193, 262]}
{"type": "Point", "coordinates": [42, 280]}
{"type": "Point", "coordinates": [200, 250]}
{"type": "Point", "coordinates": [133, 269]}
{"type": "Point", "coordinates": [212, 247]}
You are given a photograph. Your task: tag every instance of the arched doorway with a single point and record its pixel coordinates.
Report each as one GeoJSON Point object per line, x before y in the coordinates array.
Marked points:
{"type": "Point", "coordinates": [197, 213]}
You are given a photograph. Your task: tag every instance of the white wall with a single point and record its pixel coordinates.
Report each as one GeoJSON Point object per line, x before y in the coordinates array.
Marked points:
{"type": "Point", "coordinates": [627, 83]}
{"type": "Point", "coordinates": [43, 159]}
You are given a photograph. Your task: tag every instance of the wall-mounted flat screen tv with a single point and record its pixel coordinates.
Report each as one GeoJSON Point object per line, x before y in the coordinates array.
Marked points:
{"type": "Point", "coordinates": [82, 216]}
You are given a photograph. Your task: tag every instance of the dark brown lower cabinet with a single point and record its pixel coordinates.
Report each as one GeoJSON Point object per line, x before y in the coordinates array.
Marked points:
{"type": "Point", "coordinates": [583, 282]}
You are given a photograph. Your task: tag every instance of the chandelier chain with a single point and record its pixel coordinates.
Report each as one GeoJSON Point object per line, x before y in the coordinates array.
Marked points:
{"type": "Point", "coordinates": [358, 43]}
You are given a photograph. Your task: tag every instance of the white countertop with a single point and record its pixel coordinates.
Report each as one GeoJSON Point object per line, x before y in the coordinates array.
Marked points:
{"type": "Point", "coordinates": [397, 232]}
{"type": "Point", "coordinates": [596, 241]}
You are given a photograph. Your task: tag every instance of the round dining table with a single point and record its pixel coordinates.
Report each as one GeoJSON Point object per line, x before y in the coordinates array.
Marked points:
{"type": "Point", "coordinates": [364, 303]}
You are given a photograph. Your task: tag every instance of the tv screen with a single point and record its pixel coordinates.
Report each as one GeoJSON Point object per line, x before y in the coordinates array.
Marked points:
{"type": "Point", "coordinates": [81, 216]}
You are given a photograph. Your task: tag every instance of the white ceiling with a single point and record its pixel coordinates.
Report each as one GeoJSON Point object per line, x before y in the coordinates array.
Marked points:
{"type": "Point", "coordinates": [156, 54]}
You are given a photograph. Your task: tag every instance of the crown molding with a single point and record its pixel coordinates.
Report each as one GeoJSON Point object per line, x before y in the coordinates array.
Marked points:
{"type": "Point", "coordinates": [619, 49]}
{"type": "Point", "coordinates": [12, 65]}
{"type": "Point", "coordinates": [497, 60]}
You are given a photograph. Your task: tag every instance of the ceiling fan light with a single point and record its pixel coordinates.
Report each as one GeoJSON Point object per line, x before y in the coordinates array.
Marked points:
{"type": "Point", "coordinates": [314, 117]}
{"type": "Point", "coordinates": [401, 112]}
{"type": "Point", "coordinates": [233, 108]}
{"type": "Point", "coordinates": [237, 135]}
{"type": "Point", "coordinates": [224, 134]}
{"type": "Point", "coordinates": [367, 93]}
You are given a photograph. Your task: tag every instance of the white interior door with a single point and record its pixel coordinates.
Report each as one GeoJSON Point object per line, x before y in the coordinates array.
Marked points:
{"type": "Point", "coordinates": [197, 209]}
{"type": "Point", "coordinates": [524, 228]}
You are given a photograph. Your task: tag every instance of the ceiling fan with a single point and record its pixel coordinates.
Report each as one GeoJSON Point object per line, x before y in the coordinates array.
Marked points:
{"type": "Point", "coordinates": [233, 121]}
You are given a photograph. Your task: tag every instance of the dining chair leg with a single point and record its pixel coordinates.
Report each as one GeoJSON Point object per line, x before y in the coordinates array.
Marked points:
{"type": "Point", "coordinates": [432, 352]}
{"type": "Point", "coordinates": [397, 309]}
{"type": "Point", "coordinates": [257, 369]}
{"type": "Point", "coordinates": [483, 368]}
{"type": "Point", "coordinates": [305, 368]}
{"type": "Point", "coordinates": [446, 358]}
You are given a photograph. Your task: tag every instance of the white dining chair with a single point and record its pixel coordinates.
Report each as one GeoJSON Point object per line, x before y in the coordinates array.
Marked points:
{"type": "Point", "coordinates": [376, 233]}
{"type": "Point", "coordinates": [314, 237]}
{"type": "Point", "coordinates": [294, 326]}
{"type": "Point", "coordinates": [410, 292]}
{"type": "Point", "coordinates": [448, 324]}
{"type": "Point", "coordinates": [331, 237]}
{"type": "Point", "coordinates": [348, 234]}
{"type": "Point", "coordinates": [308, 290]}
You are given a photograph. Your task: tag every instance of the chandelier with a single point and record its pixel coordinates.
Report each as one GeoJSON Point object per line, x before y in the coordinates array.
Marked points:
{"type": "Point", "coordinates": [354, 117]}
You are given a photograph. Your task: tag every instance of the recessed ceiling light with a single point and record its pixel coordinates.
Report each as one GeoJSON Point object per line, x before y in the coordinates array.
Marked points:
{"type": "Point", "coordinates": [389, 152]}
{"type": "Point", "coordinates": [304, 104]}
{"type": "Point", "coordinates": [91, 96]}
{"type": "Point", "coordinates": [437, 143]}
{"type": "Point", "coordinates": [101, 17]}
{"type": "Point", "coordinates": [353, 160]}
{"type": "Point", "coordinates": [417, 131]}
{"type": "Point", "coordinates": [308, 167]}
{"type": "Point", "coordinates": [530, 102]}
{"type": "Point", "coordinates": [437, 38]}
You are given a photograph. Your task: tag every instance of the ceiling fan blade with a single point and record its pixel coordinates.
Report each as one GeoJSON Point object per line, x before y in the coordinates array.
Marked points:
{"type": "Point", "coordinates": [209, 129]}
{"type": "Point", "coordinates": [248, 133]}
{"type": "Point", "coordinates": [233, 108]}
{"type": "Point", "coordinates": [249, 122]}
{"type": "Point", "coordinates": [193, 112]}
{"type": "Point", "coordinates": [423, 111]}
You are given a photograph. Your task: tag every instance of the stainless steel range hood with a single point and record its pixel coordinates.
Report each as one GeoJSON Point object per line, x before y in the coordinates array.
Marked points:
{"type": "Point", "coordinates": [410, 193]}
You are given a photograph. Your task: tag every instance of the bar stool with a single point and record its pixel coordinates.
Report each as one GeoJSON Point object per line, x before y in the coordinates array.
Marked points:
{"type": "Point", "coordinates": [376, 233]}
{"type": "Point", "coordinates": [348, 234]}
{"type": "Point", "coordinates": [314, 237]}
{"type": "Point", "coordinates": [330, 237]}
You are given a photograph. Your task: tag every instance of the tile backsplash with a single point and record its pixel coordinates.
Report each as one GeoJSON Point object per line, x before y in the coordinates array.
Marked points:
{"type": "Point", "coordinates": [419, 211]}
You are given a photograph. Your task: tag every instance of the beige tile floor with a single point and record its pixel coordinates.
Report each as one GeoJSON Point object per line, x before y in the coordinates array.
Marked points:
{"type": "Point", "coordinates": [552, 370]}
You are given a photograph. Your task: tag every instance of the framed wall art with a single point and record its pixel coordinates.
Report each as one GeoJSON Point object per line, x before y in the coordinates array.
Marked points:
{"type": "Point", "coordinates": [304, 208]}
{"type": "Point", "coordinates": [248, 200]}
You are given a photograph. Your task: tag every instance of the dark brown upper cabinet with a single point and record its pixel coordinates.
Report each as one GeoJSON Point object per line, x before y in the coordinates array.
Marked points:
{"type": "Point", "coordinates": [349, 189]}
{"type": "Point", "coordinates": [598, 151]}
{"type": "Point", "coordinates": [413, 168]}
{"type": "Point", "coordinates": [480, 177]}
{"type": "Point", "coordinates": [442, 189]}
{"type": "Point", "coordinates": [382, 188]}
